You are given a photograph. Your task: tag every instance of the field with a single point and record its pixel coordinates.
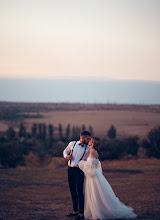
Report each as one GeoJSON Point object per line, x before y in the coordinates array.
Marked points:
{"type": "Point", "coordinates": [128, 119]}
{"type": "Point", "coordinates": [42, 194]}
{"type": "Point", "coordinates": [126, 122]}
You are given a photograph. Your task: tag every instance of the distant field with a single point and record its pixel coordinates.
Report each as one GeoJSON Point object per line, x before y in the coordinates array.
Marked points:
{"type": "Point", "coordinates": [43, 194]}
{"type": "Point", "coordinates": [128, 119]}
{"type": "Point", "coordinates": [126, 122]}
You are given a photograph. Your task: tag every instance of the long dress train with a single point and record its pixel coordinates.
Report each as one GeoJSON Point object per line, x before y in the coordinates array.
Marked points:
{"type": "Point", "coordinates": [100, 200]}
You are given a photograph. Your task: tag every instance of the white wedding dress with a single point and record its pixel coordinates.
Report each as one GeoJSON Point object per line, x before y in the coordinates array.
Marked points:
{"type": "Point", "coordinates": [100, 200]}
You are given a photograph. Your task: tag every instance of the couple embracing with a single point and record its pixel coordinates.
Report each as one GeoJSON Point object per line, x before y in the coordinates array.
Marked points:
{"type": "Point", "coordinates": [98, 200]}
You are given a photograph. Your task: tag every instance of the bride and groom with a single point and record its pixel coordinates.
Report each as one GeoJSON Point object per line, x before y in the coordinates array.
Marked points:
{"type": "Point", "coordinates": [98, 200]}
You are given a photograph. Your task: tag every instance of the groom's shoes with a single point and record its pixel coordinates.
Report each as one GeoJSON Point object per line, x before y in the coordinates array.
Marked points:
{"type": "Point", "coordinates": [79, 217]}
{"type": "Point", "coordinates": [72, 214]}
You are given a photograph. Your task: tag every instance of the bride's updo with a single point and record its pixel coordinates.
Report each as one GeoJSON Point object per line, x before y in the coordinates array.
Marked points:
{"type": "Point", "coordinates": [96, 143]}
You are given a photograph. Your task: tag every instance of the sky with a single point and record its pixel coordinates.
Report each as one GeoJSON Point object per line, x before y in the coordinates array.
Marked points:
{"type": "Point", "coordinates": [80, 39]}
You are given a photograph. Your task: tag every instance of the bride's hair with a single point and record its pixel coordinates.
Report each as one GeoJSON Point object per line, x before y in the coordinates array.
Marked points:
{"type": "Point", "coordinates": [96, 143]}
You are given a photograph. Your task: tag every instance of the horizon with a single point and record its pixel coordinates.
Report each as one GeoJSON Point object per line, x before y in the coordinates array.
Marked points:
{"type": "Point", "coordinates": [77, 103]}
{"type": "Point", "coordinates": [79, 78]}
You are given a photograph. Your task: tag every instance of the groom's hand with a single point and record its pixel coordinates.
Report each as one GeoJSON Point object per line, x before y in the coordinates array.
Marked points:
{"type": "Point", "coordinates": [69, 157]}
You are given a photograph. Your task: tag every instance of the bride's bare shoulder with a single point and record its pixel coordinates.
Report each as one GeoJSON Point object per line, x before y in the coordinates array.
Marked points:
{"type": "Point", "coordinates": [94, 153]}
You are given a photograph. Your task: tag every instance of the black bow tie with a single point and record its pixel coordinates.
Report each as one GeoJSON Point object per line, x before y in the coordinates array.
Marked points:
{"type": "Point", "coordinates": [81, 144]}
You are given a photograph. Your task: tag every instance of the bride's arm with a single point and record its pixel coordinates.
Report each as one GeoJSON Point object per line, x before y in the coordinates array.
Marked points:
{"type": "Point", "coordinates": [87, 168]}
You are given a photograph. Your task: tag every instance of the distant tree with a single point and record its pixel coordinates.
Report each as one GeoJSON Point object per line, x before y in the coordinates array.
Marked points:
{"type": "Point", "coordinates": [12, 154]}
{"type": "Point", "coordinates": [90, 129]}
{"type": "Point", "coordinates": [83, 127]}
{"type": "Point", "coordinates": [44, 131]}
{"type": "Point", "coordinates": [152, 144]}
{"type": "Point", "coordinates": [60, 132]}
{"type": "Point", "coordinates": [111, 133]}
{"type": "Point", "coordinates": [34, 130]}
{"type": "Point", "coordinates": [131, 145]}
{"type": "Point", "coordinates": [73, 132]}
{"type": "Point", "coordinates": [111, 149]}
{"type": "Point", "coordinates": [119, 148]}
{"type": "Point", "coordinates": [40, 132]}
{"type": "Point", "coordinates": [28, 135]}
{"type": "Point", "coordinates": [50, 131]}
{"type": "Point", "coordinates": [2, 139]}
{"type": "Point", "coordinates": [11, 133]}
{"type": "Point", "coordinates": [22, 130]}
{"type": "Point", "coordinates": [77, 132]}
{"type": "Point", "coordinates": [68, 131]}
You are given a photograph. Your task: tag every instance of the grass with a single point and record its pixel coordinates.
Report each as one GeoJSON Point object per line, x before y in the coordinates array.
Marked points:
{"type": "Point", "coordinates": [127, 121]}
{"type": "Point", "coordinates": [43, 194]}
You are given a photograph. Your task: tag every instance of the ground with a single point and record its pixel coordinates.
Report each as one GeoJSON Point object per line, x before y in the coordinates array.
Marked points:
{"type": "Point", "coordinates": [43, 194]}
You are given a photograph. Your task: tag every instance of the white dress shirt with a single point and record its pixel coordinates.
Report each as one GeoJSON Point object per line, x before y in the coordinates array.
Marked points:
{"type": "Point", "coordinates": [78, 152]}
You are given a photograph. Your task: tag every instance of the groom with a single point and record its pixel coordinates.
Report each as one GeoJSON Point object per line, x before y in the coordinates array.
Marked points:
{"type": "Point", "coordinates": [74, 153]}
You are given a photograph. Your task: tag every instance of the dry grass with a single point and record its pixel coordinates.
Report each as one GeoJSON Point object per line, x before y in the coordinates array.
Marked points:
{"type": "Point", "coordinates": [42, 194]}
{"type": "Point", "coordinates": [128, 119]}
{"type": "Point", "coordinates": [126, 122]}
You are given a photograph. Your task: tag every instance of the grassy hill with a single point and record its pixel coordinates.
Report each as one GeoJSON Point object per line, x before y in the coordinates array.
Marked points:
{"type": "Point", "coordinates": [43, 194]}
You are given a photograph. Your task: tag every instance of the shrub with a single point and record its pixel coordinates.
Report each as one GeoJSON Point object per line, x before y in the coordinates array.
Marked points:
{"type": "Point", "coordinates": [152, 143]}
{"type": "Point", "coordinates": [116, 149]}
{"type": "Point", "coordinates": [131, 144]}
{"type": "Point", "coordinates": [11, 133]}
{"type": "Point", "coordinates": [111, 132]}
{"type": "Point", "coordinates": [111, 149]}
{"type": "Point", "coordinates": [11, 155]}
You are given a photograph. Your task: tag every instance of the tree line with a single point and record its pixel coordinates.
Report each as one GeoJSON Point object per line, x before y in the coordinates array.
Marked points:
{"type": "Point", "coordinates": [44, 132]}
{"type": "Point", "coordinates": [42, 140]}
{"type": "Point", "coordinates": [45, 140]}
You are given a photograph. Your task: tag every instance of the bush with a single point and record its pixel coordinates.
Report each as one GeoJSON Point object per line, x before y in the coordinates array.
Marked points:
{"type": "Point", "coordinates": [111, 149]}
{"type": "Point", "coordinates": [11, 133]}
{"type": "Point", "coordinates": [12, 154]}
{"type": "Point", "coordinates": [131, 144]}
{"type": "Point", "coordinates": [152, 143]}
{"type": "Point", "coordinates": [111, 132]}
{"type": "Point", "coordinates": [57, 149]}
{"type": "Point", "coordinates": [116, 149]}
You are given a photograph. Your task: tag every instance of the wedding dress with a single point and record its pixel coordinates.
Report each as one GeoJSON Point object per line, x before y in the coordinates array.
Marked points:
{"type": "Point", "coordinates": [100, 200]}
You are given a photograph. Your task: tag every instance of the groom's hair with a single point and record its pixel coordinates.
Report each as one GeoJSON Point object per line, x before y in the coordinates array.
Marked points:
{"type": "Point", "coordinates": [85, 133]}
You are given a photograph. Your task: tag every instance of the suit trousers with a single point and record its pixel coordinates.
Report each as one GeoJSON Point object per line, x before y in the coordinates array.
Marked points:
{"type": "Point", "coordinates": [76, 180]}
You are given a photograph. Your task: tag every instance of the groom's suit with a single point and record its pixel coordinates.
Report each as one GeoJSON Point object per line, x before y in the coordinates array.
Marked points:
{"type": "Point", "coordinates": [75, 175]}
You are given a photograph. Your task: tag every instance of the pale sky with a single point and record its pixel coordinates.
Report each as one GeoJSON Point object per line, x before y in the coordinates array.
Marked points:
{"type": "Point", "coordinates": [108, 39]}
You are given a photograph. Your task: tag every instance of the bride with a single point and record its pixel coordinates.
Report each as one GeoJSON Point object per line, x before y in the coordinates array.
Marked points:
{"type": "Point", "coordinates": [100, 200]}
